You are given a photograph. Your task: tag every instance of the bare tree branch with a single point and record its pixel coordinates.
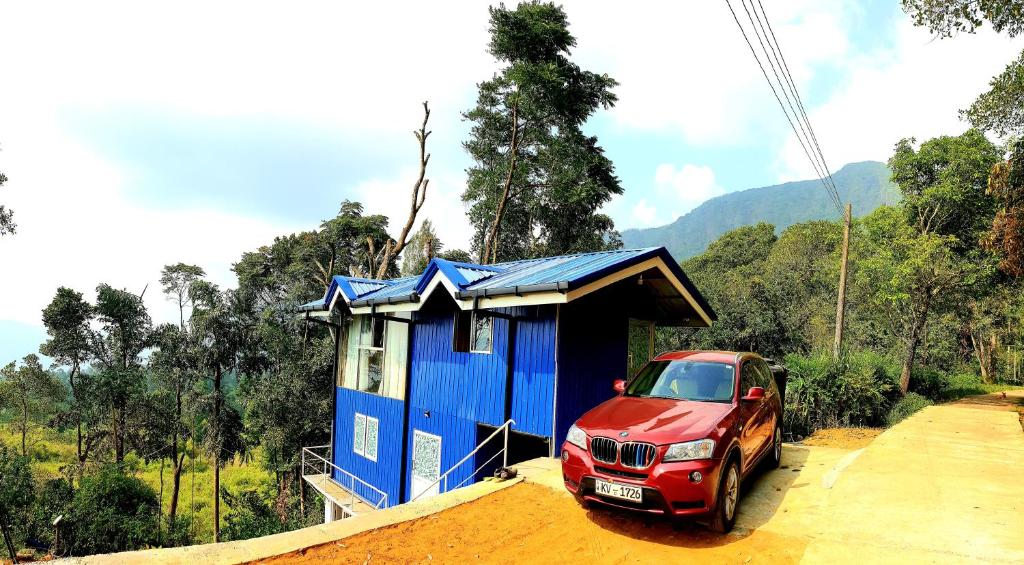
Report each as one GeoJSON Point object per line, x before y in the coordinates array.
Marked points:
{"type": "Point", "coordinates": [419, 195]}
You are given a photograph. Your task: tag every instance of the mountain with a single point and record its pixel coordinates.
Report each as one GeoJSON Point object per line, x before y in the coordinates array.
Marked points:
{"type": "Point", "coordinates": [866, 185]}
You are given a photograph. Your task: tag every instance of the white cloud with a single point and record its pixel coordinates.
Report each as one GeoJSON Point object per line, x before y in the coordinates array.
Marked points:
{"type": "Point", "coordinates": [644, 214]}
{"type": "Point", "coordinates": [683, 189]}
{"type": "Point", "coordinates": [914, 88]}
{"type": "Point", "coordinates": [684, 68]}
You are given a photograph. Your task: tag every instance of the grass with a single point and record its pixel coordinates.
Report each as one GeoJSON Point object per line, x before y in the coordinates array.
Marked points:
{"type": "Point", "coordinates": [50, 450]}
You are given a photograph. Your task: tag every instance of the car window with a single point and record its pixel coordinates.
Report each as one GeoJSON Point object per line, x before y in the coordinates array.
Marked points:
{"type": "Point", "coordinates": [684, 380]}
{"type": "Point", "coordinates": [748, 377]}
{"type": "Point", "coordinates": [766, 378]}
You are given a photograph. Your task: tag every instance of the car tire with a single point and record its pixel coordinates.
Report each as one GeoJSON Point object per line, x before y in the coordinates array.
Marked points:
{"type": "Point", "coordinates": [724, 516]}
{"type": "Point", "coordinates": [775, 457]}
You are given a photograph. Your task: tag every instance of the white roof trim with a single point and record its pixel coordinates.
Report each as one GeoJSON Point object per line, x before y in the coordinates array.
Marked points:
{"type": "Point", "coordinates": [534, 298]}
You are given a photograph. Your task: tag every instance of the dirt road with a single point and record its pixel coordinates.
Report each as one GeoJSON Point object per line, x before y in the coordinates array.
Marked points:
{"type": "Point", "coordinates": [943, 486]}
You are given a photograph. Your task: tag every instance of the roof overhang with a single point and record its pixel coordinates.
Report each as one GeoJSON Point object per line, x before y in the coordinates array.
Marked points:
{"type": "Point", "coordinates": [446, 276]}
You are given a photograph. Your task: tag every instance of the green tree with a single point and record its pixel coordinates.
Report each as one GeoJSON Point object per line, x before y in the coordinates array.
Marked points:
{"type": "Point", "coordinates": [1000, 109]}
{"type": "Point", "coordinates": [126, 328]}
{"type": "Point", "coordinates": [16, 494]}
{"type": "Point", "coordinates": [423, 246]}
{"type": "Point", "coordinates": [537, 180]}
{"type": "Point", "coordinates": [947, 18]}
{"type": "Point", "coordinates": [177, 281]}
{"type": "Point", "coordinates": [110, 512]}
{"type": "Point", "coordinates": [71, 344]}
{"type": "Point", "coordinates": [35, 393]}
{"type": "Point", "coordinates": [217, 331]}
{"type": "Point", "coordinates": [730, 274]}
{"type": "Point", "coordinates": [946, 211]}
{"type": "Point", "coordinates": [7, 224]}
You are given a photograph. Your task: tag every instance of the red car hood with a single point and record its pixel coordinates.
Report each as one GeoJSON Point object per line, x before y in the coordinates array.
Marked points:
{"type": "Point", "coordinates": [656, 420]}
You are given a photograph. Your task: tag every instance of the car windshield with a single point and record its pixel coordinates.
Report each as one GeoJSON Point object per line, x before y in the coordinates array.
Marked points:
{"type": "Point", "coordinates": [684, 380]}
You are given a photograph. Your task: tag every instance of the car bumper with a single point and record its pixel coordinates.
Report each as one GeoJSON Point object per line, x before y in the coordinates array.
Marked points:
{"type": "Point", "coordinates": [667, 487]}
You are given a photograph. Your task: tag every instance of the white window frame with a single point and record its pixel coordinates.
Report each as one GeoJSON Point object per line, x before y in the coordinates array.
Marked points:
{"type": "Point", "coordinates": [362, 373]}
{"type": "Point", "coordinates": [472, 334]}
{"type": "Point", "coordinates": [366, 434]}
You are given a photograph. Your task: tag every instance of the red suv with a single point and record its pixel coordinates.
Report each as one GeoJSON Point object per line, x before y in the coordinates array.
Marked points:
{"type": "Point", "coordinates": [679, 438]}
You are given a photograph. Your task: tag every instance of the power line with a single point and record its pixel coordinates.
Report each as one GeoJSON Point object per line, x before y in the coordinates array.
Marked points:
{"type": "Point", "coordinates": [814, 163]}
{"type": "Point", "coordinates": [796, 93]}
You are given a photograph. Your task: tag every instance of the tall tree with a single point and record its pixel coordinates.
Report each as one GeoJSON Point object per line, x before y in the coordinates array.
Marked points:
{"type": "Point", "coordinates": [217, 333]}
{"type": "Point", "coordinates": [126, 333]}
{"type": "Point", "coordinates": [1006, 237]}
{"type": "Point", "coordinates": [537, 181]}
{"type": "Point", "coordinates": [381, 264]}
{"type": "Point", "coordinates": [71, 344]}
{"type": "Point", "coordinates": [174, 375]}
{"type": "Point", "coordinates": [1000, 109]}
{"type": "Point", "coordinates": [177, 281]}
{"type": "Point", "coordinates": [948, 211]}
{"type": "Point", "coordinates": [424, 246]}
{"type": "Point", "coordinates": [34, 393]}
{"type": "Point", "coordinates": [7, 224]}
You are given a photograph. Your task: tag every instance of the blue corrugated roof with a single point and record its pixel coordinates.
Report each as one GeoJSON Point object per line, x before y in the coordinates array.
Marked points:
{"type": "Point", "coordinates": [520, 277]}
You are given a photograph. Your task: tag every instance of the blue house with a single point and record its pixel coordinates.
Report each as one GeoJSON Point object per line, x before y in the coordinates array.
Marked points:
{"type": "Point", "coordinates": [430, 366]}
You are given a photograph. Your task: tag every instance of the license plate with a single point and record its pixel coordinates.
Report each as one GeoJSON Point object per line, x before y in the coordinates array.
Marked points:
{"type": "Point", "coordinates": [616, 490]}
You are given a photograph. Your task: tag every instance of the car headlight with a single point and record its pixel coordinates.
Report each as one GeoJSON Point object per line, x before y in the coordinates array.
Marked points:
{"type": "Point", "coordinates": [690, 450]}
{"type": "Point", "coordinates": [576, 437]}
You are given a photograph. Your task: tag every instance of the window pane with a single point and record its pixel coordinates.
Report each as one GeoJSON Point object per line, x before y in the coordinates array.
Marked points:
{"type": "Point", "coordinates": [365, 327]}
{"type": "Point", "coordinates": [378, 332]}
{"type": "Point", "coordinates": [482, 333]}
{"type": "Point", "coordinates": [359, 434]}
{"type": "Point", "coordinates": [371, 365]}
{"type": "Point", "coordinates": [371, 438]}
{"type": "Point", "coordinates": [461, 331]}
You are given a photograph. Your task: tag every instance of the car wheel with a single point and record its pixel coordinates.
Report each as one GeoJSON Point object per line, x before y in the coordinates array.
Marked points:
{"type": "Point", "coordinates": [728, 499]}
{"type": "Point", "coordinates": [775, 458]}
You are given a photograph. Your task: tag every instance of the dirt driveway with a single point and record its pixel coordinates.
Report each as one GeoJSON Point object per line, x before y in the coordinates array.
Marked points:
{"type": "Point", "coordinates": [943, 486]}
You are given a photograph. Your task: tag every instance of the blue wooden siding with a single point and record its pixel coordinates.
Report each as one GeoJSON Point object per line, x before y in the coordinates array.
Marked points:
{"type": "Point", "coordinates": [592, 353]}
{"type": "Point", "coordinates": [385, 473]}
{"type": "Point", "coordinates": [534, 372]}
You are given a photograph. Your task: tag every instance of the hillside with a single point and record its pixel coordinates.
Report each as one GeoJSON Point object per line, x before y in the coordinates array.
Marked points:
{"type": "Point", "coordinates": [865, 184]}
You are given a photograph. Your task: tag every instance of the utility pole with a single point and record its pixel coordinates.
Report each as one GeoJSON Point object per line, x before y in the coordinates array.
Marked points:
{"type": "Point", "coordinates": [841, 303]}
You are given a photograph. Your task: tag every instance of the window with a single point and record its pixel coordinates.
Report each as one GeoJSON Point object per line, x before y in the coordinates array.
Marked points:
{"type": "Point", "coordinates": [749, 378]}
{"type": "Point", "coordinates": [371, 354]}
{"type": "Point", "coordinates": [364, 440]}
{"type": "Point", "coordinates": [684, 380]}
{"type": "Point", "coordinates": [473, 332]}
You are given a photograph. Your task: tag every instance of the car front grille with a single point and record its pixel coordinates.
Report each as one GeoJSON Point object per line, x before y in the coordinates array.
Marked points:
{"type": "Point", "coordinates": [604, 450]}
{"type": "Point", "coordinates": [633, 454]}
{"type": "Point", "coordinates": [636, 455]}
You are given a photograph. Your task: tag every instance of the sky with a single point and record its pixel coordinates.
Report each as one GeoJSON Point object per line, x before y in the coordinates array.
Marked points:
{"type": "Point", "coordinates": [137, 135]}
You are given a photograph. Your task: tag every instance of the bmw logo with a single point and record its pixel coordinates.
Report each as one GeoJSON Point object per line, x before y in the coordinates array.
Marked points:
{"type": "Point", "coordinates": [623, 434]}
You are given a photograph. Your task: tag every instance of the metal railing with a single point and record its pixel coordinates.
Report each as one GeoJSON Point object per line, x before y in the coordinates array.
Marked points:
{"type": "Point", "coordinates": [322, 466]}
{"type": "Point", "coordinates": [502, 429]}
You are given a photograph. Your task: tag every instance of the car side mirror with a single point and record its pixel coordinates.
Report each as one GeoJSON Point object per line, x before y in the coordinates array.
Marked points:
{"type": "Point", "coordinates": [619, 386]}
{"type": "Point", "coordinates": [755, 393]}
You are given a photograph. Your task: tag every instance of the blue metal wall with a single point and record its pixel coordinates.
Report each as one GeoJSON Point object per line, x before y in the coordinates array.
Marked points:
{"type": "Point", "coordinates": [593, 337]}
{"type": "Point", "coordinates": [385, 473]}
{"type": "Point", "coordinates": [534, 372]}
{"type": "Point", "coordinates": [459, 390]}
{"type": "Point", "coordinates": [465, 385]}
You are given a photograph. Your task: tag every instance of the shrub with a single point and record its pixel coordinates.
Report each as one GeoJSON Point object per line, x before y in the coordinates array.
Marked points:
{"type": "Point", "coordinates": [856, 391]}
{"type": "Point", "coordinates": [906, 406]}
{"type": "Point", "coordinates": [111, 512]}
{"type": "Point", "coordinates": [53, 498]}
